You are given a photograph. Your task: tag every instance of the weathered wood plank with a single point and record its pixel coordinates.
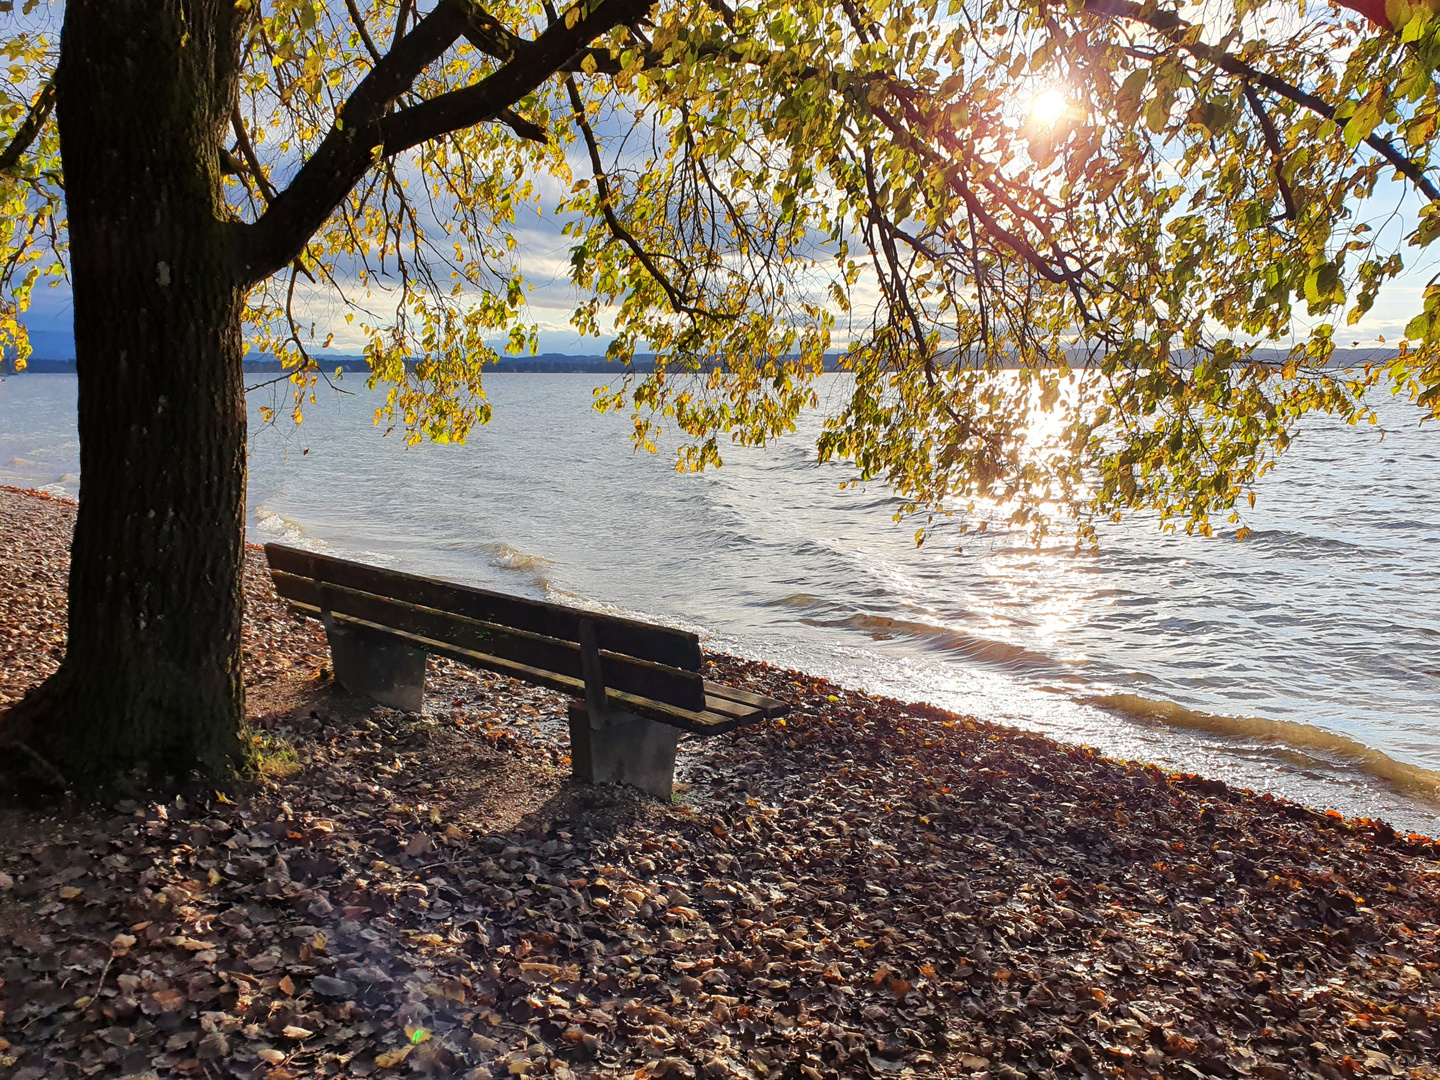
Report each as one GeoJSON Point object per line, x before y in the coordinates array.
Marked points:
{"type": "Point", "coordinates": [630, 637]}
{"type": "Point", "coordinates": [745, 714]}
{"type": "Point", "coordinates": [769, 707]}
{"type": "Point", "coordinates": [668, 685]}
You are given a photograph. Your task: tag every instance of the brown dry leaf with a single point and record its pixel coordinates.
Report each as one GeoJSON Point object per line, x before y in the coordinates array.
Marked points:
{"type": "Point", "coordinates": [189, 944]}
{"type": "Point", "coordinates": [390, 1058]}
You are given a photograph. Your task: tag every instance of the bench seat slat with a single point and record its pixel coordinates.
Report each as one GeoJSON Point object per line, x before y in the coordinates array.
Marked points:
{"type": "Point", "coordinates": [681, 689]}
{"type": "Point", "coordinates": [726, 707]}
{"type": "Point", "coordinates": [630, 637]}
{"type": "Point", "coordinates": [769, 707]}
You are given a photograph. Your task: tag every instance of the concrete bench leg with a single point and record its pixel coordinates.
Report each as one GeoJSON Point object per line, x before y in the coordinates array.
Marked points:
{"type": "Point", "coordinates": [377, 666]}
{"type": "Point", "coordinates": [629, 750]}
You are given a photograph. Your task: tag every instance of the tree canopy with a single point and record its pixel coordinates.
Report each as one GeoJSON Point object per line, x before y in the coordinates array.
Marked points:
{"type": "Point", "coordinates": [1123, 202]}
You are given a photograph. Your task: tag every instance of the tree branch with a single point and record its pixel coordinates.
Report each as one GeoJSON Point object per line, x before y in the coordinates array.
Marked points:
{"type": "Point", "coordinates": [538, 60]}
{"type": "Point", "coordinates": [1173, 28]}
{"type": "Point", "coordinates": [247, 151]}
{"type": "Point", "coordinates": [602, 191]}
{"type": "Point", "coordinates": [346, 151]}
{"type": "Point", "coordinates": [364, 133]}
{"type": "Point", "coordinates": [526, 129]}
{"type": "Point", "coordinates": [492, 38]}
{"type": "Point", "coordinates": [30, 127]}
{"type": "Point", "coordinates": [1272, 141]}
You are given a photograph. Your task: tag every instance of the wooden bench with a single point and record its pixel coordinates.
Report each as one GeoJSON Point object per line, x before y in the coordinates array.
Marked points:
{"type": "Point", "coordinates": [638, 685]}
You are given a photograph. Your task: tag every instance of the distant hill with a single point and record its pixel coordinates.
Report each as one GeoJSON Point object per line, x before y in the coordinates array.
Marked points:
{"type": "Point", "coordinates": [54, 352]}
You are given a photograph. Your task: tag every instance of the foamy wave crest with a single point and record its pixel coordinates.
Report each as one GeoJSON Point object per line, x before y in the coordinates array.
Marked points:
{"type": "Point", "coordinates": [270, 526]}
{"type": "Point", "coordinates": [1287, 734]}
{"type": "Point", "coordinates": [943, 639]}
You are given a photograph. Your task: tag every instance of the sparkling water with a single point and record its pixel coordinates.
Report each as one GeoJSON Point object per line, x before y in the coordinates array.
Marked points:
{"type": "Point", "coordinates": [1304, 661]}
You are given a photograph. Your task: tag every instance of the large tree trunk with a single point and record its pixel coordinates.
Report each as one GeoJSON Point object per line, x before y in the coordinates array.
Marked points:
{"type": "Point", "coordinates": [152, 672]}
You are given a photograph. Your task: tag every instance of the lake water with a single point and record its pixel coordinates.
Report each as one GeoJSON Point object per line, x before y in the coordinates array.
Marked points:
{"type": "Point", "coordinates": [1304, 661]}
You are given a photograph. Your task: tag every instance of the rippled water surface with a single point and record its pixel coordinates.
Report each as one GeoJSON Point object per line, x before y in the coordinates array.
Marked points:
{"type": "Point", "coordinates": [1305, 661]}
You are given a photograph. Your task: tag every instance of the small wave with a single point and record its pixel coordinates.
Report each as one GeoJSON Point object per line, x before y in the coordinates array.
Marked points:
{"type": "Point", "coordinates": [943, 639]}
{"type": "Point", "coordinates": [1284, 734]}
{"type": "Point", "coordinates": [803, 601]}
{"type": "Point", "coordinates": [1289, 539]}
{"type": "Point", "coordinates": [507, 558]}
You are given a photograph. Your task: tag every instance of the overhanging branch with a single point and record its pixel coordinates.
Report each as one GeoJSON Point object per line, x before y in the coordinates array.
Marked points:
{"type": "Point", "coordinates": [1175, 29]}
{"type": "Point", "coordinates": [346, 151]}
{"type": "Point", "coordinates": [366, 132]}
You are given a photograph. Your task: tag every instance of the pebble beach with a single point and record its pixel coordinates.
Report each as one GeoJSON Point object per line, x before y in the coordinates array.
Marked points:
{"type": "Point", "coordinates": [864, 888]}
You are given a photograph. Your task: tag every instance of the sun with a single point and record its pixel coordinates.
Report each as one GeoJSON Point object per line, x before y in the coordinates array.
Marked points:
{"type": "Point", "coordinates": [1048, 106]}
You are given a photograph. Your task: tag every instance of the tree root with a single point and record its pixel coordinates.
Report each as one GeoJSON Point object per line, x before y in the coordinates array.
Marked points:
{"type": "Point", "coordinates": [27, 771]}
{"type": "Point", "coordinates": [48, 770]}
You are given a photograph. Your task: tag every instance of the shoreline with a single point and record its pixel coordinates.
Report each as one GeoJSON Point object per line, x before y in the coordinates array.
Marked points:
{"type": "Point", "coordinates": [1155, 710]}
{"type": "Point", "coordinates": [867, 887]}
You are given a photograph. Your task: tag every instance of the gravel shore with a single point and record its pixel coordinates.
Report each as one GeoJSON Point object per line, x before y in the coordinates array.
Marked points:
{"type": "Point", "coordinates": [867, 888]}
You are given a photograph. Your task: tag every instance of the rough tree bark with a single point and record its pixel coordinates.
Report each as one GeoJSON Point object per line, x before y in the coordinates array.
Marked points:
{"type": "Point", "coordinates": [152, 670]}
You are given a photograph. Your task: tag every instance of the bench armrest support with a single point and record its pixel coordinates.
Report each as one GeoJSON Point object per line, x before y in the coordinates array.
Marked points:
{"type": "Point", "coordinates": [596, 700]}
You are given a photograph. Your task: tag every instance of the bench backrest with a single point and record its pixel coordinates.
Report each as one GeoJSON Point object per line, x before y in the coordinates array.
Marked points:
{"type": "Point", "coordinates": [637, 657]}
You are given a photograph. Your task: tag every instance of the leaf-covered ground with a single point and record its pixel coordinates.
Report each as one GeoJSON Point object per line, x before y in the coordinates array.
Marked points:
{"type": "Point", "coordinates": [869, 888]}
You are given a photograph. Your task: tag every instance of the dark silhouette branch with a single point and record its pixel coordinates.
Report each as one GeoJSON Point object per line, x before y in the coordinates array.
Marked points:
{"type": "Point", "coordinates": [546, 55]}
{"type": "Point", "coordinates": [489, 36]}
{"type": "Point", "coordinates": [526, 129]}
{"type": "Point", "coordinates": [30, 127]}
{"type": "Point", "coordinates": [347, 150]}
